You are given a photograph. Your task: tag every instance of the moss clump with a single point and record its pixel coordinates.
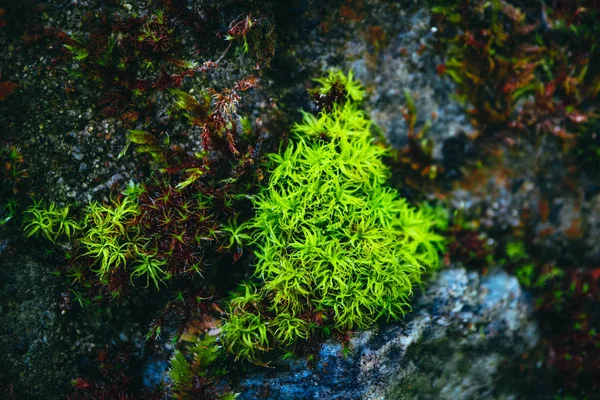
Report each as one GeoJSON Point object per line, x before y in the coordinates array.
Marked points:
{"type": "Point", "coordinates": [106, 236]}
{"type": "Point", "coordinates": [193, 377]}
{"type": "Point", "coordinates": [333, 241]}
{"type": "Point", "coordinates": [51, 221]}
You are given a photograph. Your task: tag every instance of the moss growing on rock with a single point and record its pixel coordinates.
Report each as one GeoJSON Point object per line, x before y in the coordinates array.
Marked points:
{"type": "Point", "coordinates": [334, 243]}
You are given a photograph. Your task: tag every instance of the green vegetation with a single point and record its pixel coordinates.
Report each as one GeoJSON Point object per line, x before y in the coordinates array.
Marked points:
{"type": "Point", "coordinates": [333, 241]}
{"type": "Point", "coordinates": [106, 235]}
{"type": "Point", "coordinates": [517, 74]}
{"type": "Point", "coordinates": [8, 211]}
{"type": "Point", "coordinates": [107, 238]}
{"type": "Point", "coordinates": [180, 372]}
{"type": "Point", "coordinates": [51, 221]}
{"type": "Point", "coordinates": [525, 273]}
{"type": "Point", "coordinates": [194, 378]}
{"type": "Point", "coordinates": [245, 330]}
{"type": "Point", "coordinates": [335, 83]}
{"type": "Point", "coordinates": [12, 175]}
{"type": "Point", "coordinates": [515, 251]}
{"type": "Point", "coordinates": [336, 248]}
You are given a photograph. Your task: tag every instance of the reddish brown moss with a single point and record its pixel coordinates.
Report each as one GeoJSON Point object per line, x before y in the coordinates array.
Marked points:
{"type": "Point", "coordinates": [513, 67]}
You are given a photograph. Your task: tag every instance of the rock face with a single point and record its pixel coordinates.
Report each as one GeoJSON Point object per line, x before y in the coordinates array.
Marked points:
{"type": "Point", "coordinates": [43, 349]}
{"type": "Point", "coordinates": [390, 47]}
{"type": "Point", "coordinates": [35, 355]}
{"type": "Point", "coordinates": [463, 328]}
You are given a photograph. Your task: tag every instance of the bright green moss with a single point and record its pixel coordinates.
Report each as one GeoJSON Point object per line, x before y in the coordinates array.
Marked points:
{"type": "Point", "coordinates": [334, 78]}
{"type": "Point", "coordinates": [107, 238]}
{"type": "Point", "coordinates": [51, 221]}
{"type": "Point", "coordinates": [515, 251]}
{"type": "Point", "coordinates": [331, 236]}
{"type": "Point", "coordinates": [106, 234]}
{"type": "Point", "coordinates": [246, 329]}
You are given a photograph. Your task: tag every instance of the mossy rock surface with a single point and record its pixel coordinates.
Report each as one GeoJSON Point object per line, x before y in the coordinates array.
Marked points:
{"type": "Point", "coordinates": [457, 343]}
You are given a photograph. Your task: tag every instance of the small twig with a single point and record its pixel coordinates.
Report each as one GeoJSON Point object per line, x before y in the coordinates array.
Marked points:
{"type": "Point", "coordinates": [223, 55]}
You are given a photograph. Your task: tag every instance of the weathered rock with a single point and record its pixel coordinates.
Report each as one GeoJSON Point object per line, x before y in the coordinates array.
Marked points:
{"type": "Point", "coordinates": [462, 329]}
{"type": "Point", "coordinates": [35, 359]}
{"type": "Point", "coordinates": [390, 48]}
{"type": "Point", "coordinates": [42, 349]}
{"type": "Point", "coordinates": [72, 148]}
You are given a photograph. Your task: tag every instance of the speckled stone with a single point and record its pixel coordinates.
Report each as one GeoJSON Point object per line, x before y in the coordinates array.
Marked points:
{"type": "Point", "coordinates": [463, 328]}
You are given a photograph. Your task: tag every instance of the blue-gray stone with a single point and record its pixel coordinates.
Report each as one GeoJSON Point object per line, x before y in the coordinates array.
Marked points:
{"type": "Point", "coordinates": [463, 328]}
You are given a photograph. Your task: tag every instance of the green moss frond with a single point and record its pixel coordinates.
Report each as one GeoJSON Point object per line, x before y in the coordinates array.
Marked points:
{"type": "Point", "coordinates": [236, 233]}
{"type": "Point", "coordinates": [289, 329]}
{"type": "Point", "coordinates": [516, 251]}
{"type": "Point", "coordinates": [351, 87]}
{"type": "Point", "coordinates": [245, 335]}
{"type": "Point", "coordinates": [194, 369]}
{"type": "Point", "coordinates": [109, 239]}
{"type": "Point", "coordinates": [180, 372]}
{"type": "Point", "coordinates": [107, 235]}
{"type": "Point", "coordinates": [49, 220]}
{"type": "Point", "coordinates": [330, 234]}
{"type": "Point", "coordinates": [205, 351]}
{"type": "Point", "coordinates": [145, 142]}
{"type": "Point", "coordinates": [249, 299]}
{"type": "Point", "coordinates": [150, 267]}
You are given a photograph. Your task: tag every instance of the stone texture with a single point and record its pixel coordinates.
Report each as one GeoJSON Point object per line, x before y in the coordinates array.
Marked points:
{"type": "Point", "coordinates": [463, 328]}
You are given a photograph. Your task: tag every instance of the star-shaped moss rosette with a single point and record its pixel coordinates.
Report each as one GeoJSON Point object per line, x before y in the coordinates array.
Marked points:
{"type": "Point", "coordinates": [336, 248]}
